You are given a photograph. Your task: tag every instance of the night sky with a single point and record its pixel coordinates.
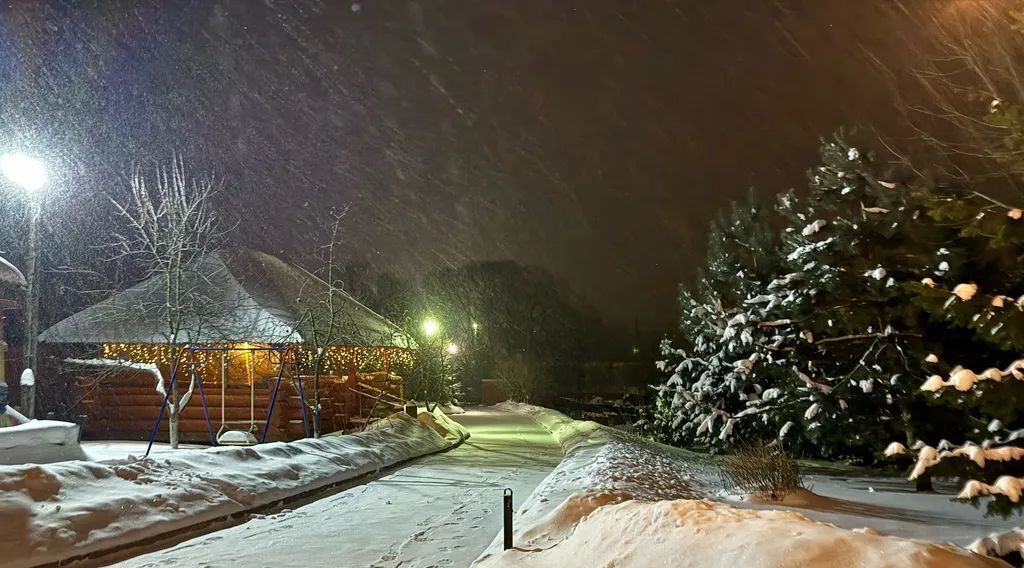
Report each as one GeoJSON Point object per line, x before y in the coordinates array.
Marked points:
{"type": "Point", "coordinates": [594, 138]}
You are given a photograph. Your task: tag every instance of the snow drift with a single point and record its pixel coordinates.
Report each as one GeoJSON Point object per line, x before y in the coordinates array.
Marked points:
{"type": "Point", "coordinates": [618, 501]}
{"type": "Point", "coordinates": [50, 513]}
{"type": "Point", "coordinates": [706, 534]}
{"type": "Point", "coordinates": [445, 427]}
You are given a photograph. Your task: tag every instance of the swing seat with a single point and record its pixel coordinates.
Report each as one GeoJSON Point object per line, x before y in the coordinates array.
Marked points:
{"type": "Point", "coordinates": [236, 438]}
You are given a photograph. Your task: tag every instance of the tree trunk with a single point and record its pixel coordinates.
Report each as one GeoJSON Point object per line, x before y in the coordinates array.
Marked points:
{"type": "Point", "coordinates": [173, 404]}
{"type": "Point", "coordinates": [923, 483]}
{"type": "Point", "coordinates": [316, 407]}
{"type": "Point", "coordinates": [908, 429]}
{"type": "Point", "coordinates": [32, 290]}
{"type": "Point", "coordinates": [315, 404]}
{"type": "Point", "coordinates": [172, 420]}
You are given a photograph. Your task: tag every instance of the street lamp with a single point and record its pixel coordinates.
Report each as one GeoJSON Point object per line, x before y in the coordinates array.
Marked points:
{"type": "Point", "coordinates": [30, 175]}
{"type": "Point", "coordinates": [430, 327]}
{"type": "Point", "coordinates": [23, 171]}
{"type": "Point", "coordinates": [453, 349]}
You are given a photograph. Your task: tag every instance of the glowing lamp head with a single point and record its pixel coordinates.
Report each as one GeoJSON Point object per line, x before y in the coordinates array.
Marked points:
{"type": "Point", "coordinates": [21, 170]}
{"type": "Point", "coordinates": [430, 327]}
{"type": "Point", "coordinates": [453, 349]}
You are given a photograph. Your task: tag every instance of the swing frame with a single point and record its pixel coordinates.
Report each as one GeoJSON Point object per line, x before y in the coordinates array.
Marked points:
{"type": "Point", "coordinates": [194, 376]}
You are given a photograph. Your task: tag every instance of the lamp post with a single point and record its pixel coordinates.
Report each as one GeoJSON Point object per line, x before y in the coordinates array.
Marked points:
{"type": "Point", "coordinates": [30, 175]}
{"type": "Point", "coordinates": [430, 327]}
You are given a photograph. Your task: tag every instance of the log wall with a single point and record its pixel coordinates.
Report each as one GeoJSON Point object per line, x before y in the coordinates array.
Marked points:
{"type": "Point", "coordinates": [124, 406]}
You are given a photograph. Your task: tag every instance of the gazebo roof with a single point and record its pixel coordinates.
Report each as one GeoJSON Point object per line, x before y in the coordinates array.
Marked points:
{"type": "Point", "coordinates": [232, 295]}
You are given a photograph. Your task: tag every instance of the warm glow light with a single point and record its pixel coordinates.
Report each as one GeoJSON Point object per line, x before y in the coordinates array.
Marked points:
{"type": "Point", "coordinates": [430, 327]}
{"type": "Point", "coordinates": [453, 349]}
{"type": "Point", "coordinates": [23, 171]}
{"type": "Point", "coordinates": [337, 360]}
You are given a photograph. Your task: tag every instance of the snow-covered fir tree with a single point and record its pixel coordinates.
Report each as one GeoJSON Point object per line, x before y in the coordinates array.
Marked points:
{"type": "Point", "coordinates": [974, 290]}
{"type": "Point", "coordinates": [710, 371]}
{"type": "Point", "coordinates": [852, 338]}
{"type": "Point", "coordinates": [808, 346]}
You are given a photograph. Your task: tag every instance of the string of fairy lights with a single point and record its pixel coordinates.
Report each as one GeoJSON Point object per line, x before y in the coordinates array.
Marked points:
{"type": "Point", "coordinates": [337, 360]}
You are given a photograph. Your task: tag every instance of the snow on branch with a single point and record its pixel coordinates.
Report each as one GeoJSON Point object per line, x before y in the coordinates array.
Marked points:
{"type": "Point", "coordinates": [1005, 485]}
{"type": "Point", "coordinates": [964, 379]}
{"type": "Point", "coordinates": [810, 383]}
{"type": "Point", "coordinates": [776, 323]}
{"type": "Point", "coordinates": [888, 332]}
{"type": "Point", "coordinates": [122, 364]}
{"type": "Point", "coordinates": [929, 457]}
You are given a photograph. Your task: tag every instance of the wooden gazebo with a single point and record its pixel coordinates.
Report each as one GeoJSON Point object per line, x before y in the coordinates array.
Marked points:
{"type": "Point", "coordinates": [241, 302]}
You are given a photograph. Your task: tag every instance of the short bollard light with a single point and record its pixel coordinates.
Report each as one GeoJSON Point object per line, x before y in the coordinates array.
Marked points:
{"type": "Point", "coordinates": [508, 518]}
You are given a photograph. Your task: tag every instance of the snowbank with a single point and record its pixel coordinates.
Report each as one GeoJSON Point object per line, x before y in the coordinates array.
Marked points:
{"type": "Point", "coordinates": [618, 501]}
{"type": "Point", "coordinates": [601, 466]}
{"type": "Point", "coordinates": [444, 426]}
{"type": "Point", "coordinates": [452, 409]}
{"type": "Point", "coordinates": [54, 512]}
{"type": "Point", "coordinates": [707, 534]}
{"type": "Point", "coordinates": [39, 441]}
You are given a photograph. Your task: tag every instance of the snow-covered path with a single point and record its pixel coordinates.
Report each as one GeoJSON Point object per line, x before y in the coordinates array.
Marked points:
{"type": "Point", "coordinates": [441, 510]}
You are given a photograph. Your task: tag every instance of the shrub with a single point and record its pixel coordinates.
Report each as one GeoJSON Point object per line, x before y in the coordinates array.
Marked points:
{"type": "Point", "coordinates": [762, 469]}
{"type": "Point", "coordinates": [521, 377]}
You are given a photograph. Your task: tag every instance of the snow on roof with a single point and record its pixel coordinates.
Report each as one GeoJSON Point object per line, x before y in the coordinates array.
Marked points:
{"type": "Point", "coordinates": [234, 295]}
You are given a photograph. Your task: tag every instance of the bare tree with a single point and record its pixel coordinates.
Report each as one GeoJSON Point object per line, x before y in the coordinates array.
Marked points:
{"type": "Point", "coordinates": [965, 96]}
{"type": "Point", "coordinates": [325, 319]}
{"type": "Point", "coordinates": [170, 226]}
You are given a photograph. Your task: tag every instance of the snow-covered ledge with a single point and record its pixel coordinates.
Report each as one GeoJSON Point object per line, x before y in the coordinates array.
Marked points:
{"type": "Point", "coordinates": [39, 441]}
{"type": "Point", "coordinates": [619, 501]}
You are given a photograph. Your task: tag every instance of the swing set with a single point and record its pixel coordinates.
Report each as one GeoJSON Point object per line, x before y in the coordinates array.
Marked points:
{"type": "Point", "coordinates": [231, 432]}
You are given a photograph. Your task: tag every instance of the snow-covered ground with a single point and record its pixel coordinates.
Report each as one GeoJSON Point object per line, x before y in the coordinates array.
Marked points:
{"type": "Point", "coordinates": [441, 510]}
{"type": "Point", "coordinates": [113, 450]}
{"type": "Point", "coordinates": [618, 501]}
{"type": "Point", "coordinates": [611, 500]}
{"type": "Point", "coordinates": [53, 512]}
{"type": "Point", "coordinates": [890, 506]}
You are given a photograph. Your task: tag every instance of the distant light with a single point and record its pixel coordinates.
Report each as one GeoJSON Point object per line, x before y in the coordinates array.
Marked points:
{"type": "Point", "coordinates": [636, 350]}
{"type": "Point", "coordinates": [23, 171]}
{"type": "Point", "coordinates": [430, 327]}
{"type": "Point", "coordinates": [453, 349]}
{"type": "Point", "coordinates": [475, 326]}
